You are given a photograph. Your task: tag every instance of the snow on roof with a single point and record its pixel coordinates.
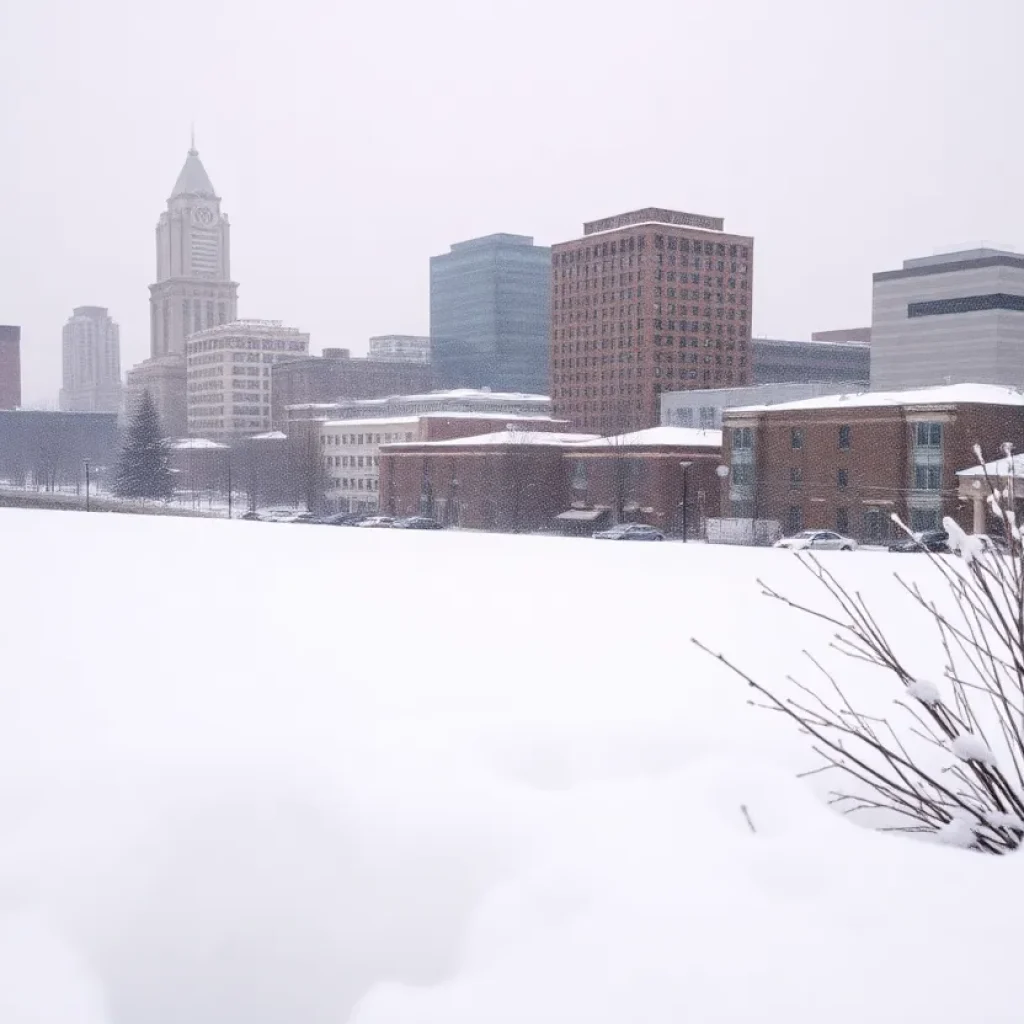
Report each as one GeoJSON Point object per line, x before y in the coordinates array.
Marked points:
{"type": "Point", "coordinates": [1001, 469]}
{"type": "Point", "coordinates": [379, 421]}
{"type": "Point", "coordinates": [459, 393]}
{"type": "Point", "coordinates": [943, 394]}
{"type": "Point", "coordinates": [194, 443]}
{"type": "Point", "coordinates": [473, 415]}
{"type": "Point", "coordinates": [270, 435]}
{"type": "Point", "coordinates": [669, 437]}
{"type": "Point", "coordinates": [508, 437]}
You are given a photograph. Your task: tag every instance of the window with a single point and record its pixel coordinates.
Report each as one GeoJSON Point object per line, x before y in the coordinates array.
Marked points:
{"type": "Point", "coordinates": [844, 438]}
{"type": "Point", "coordinates": [795, 519]}
{"type": "Point", "coordinates": [743, 438]}
{"type": "Point", "coordinates": [796, 476]}
{"type": "Point", "coordinates": [796, 438]}
{"type": "Point", "coordinates": [743, 473]}
{"type": "Point", "coordinates": [842, 520]}
{"type": "Point", "coordinates": [842, 478]}
{"type": "Point", "coordinates": [928, 477]}
{"type": "Point", "coordinates": [928, 435]}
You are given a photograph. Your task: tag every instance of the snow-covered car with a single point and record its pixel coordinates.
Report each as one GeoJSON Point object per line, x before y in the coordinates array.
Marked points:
{"type": "Point", "coordinates": [377, 523]}
{"type": "Point", "coordinates": [630, 531]}
{"type": "Point", "coordinates": [817, 540]}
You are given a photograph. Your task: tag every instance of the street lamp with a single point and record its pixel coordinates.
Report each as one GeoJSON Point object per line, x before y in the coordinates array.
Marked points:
{"type": "Point", "coordinates": [685, 467]}
{"type": "Point", "coordinates": [86, 485]}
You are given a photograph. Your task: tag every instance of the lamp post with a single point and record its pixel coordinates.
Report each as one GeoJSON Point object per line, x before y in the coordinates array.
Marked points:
{"type": "Point", "coordinates": [86, 485]}
{"type": "Point", "coordinates": [229, 482]}
{"type": "Point", "coordinates": [685, 467]}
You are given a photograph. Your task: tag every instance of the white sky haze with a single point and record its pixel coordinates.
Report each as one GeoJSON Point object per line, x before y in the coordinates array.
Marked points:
{"type": "Point", "coordinates": [349, 143]}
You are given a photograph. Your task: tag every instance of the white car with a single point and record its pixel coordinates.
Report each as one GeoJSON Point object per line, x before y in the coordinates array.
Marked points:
{"type": "Point", "coordinates": [817, 540]}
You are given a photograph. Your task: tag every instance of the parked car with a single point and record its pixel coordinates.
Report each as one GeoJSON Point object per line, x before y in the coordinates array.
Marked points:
{"type": "Point", "coordinates": [305, 517]}
{"type": "Point", "coordinates": [377, 522]}
{"type": "Point", "coordinates": [250, 516]}
{"type": "Point", "coordinates": [630, 531]}
{"type": "Point", "coordinates": [418, 523]}
{"type": "Point", "coordinates": [817, 540]}
{"type": "Point", "coordinates": [277, 515]}
{"type": "Point", "coordinates": [344, 519]}
{"type": "Point", "coordinates": [936, 541]}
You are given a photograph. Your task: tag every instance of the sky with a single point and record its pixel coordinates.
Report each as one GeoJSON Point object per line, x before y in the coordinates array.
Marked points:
{"type": "Point", "coordinates": [349, 143]}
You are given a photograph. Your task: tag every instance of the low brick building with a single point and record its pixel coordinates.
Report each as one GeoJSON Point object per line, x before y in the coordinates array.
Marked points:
{"type": "Point", "coordinates": [520, 480]}
{"type": "Point", "coordinates": [848, 462]}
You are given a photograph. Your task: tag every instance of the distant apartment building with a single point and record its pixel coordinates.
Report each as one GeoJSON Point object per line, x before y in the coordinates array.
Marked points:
{"type": "Point", "coordinates": [10, 367]}
{"type": "Point", "coordinates": [850, 462]}
{"type": "Point", "coordinates": [351, 448]}
{"type": "Point", "coordinates": [781, 361]}
{"type": "Point", "coordinates": [400, 348]}
{"type": "Point", "coordinates": [490, 314]}
{"type": "Point", "coordinates": [645, 302]}
{"type": "Point", "coordinates": [951, 318]}
{"type": "Point", "coordinates": [228, 375]}
{"type": "Point", "coordinates": [337, 376]}
{"type": "Point", "coordinates": [91, 362]}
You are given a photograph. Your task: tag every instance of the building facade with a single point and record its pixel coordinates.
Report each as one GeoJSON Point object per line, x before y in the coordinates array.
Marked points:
{"type": "Point", "coordinates": [10, 367]}
{"type": "Point", "coordinates": [490, 314]}
{"type": "Point", "coordinates": [164, 378]}
{"type": "Point", "coordinates": [336, 376]}
{"type": "Point", "coordinates": [228, 375]}
{"type": "Point", "coordinates": [91, 362]}
{"type": "Point", "coordinates": [524, 481]}
{"type": "Point", "coordinates": [849, 462]}
{"type": "Point", "coordinates": [645, 302]}
{"type": "Point", "coordinates": [193, 289]}
{"type": "Point", "coordinates": [953, 318]}
{"type": "Point", "coordinates": [400, 348]}
{"type": "Point", "coordinates": [351, 448]}
{"type": "Point", "coordinates": [780, 361]}
{"type": "Point", "coordinates": [704, 410]}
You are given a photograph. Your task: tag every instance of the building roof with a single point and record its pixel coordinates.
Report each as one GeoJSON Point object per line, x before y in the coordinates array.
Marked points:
{"type": "Point", "coordinates": [1000, 469]}
{"type": "Point", "coordinates": [506, 437]}
{"type": "Point", "coordinates": [468, 394]}
{"type": "Point", "coordinates": [270, 435]}
{"type": "Point", "coordinates": [193, 179]}
{"type": "Point", "coordinates": [194, 443]}
{"type": "Point", "coordinates": [943, 394]}
{"type": "Point", "coordinates": [373, 422]}
{"type": "Point", "coordinates": [665, 437]}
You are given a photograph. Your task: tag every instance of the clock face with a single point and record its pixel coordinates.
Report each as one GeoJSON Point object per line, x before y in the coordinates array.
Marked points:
{"type": "Point", "coordinates": [203, 216]}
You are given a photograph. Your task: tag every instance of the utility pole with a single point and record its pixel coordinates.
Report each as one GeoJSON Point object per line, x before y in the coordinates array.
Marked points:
{"type": "Point", "coordinates": [229, 483]}
{"type": "Point", "coordinates": [86, 485]}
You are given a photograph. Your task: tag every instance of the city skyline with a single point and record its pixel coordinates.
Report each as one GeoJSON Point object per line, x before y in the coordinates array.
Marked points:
{"type": "Point", "coordinates": [820, 162]}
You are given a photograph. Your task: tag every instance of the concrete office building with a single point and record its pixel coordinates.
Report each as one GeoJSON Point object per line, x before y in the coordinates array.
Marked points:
{"type": "Point", "coordinates": [645, 302]}
{"type": "Point", "coordinates": [10, 367]}
{"type": "Point", "coordinates": [781, 361]}
{"type": "Point", "coordinates": [953, 318]}
{"type": "Point", "coordinates": [228, 375]}
{"type": "Point", "coordinates": [91, 362]}
{"type": "Point", "coordinates": [400, 348]}
{"type": "Point", "coordinates": [490, 312]}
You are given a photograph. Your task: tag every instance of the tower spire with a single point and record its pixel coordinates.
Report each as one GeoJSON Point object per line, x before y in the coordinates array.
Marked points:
{"type": "Point", "coordinates": [192, 148]}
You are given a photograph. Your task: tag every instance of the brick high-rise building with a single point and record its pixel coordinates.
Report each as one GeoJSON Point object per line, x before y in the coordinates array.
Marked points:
{"type": "Point", "coordinates": [10, 367]}
{"type": "Point", "coordinates": [645, 302]}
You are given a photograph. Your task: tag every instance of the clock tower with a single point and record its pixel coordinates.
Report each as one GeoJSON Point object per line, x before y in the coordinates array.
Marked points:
{"type": "Point", "coordinates": [193, 287]}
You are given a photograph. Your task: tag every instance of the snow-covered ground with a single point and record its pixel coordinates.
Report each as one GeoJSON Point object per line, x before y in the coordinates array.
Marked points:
{"type": "Point", "coordinates": [284, 775]}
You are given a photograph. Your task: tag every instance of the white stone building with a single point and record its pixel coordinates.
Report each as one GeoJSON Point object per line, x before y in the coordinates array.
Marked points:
{"type": "Point", "coordinates": [91, 362]}
{"type": "Point", "coordinates": [351, 457]}
{"type": "Point", "coordinates": [193, 289]}
{"type": "Point", "coordinates": [228, 375]}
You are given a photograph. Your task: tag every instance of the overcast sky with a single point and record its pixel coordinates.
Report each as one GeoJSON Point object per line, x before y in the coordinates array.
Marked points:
{"type": "Point", "coordinates": [350, 142]}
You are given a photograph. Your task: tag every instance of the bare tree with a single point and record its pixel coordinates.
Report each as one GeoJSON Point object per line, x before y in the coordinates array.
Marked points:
{"type": "Point", "coordinates": [952, 764]}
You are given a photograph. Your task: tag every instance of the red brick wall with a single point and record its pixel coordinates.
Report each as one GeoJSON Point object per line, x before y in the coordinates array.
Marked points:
{"type": "Point", "coordinates": [878, 463]}
{"type": "Point", "coordinates": [612, 296]}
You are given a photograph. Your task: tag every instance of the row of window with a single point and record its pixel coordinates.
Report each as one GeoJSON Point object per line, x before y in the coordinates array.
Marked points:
{"type": "Point", "coordinates": [344, 483]}
{"type": "Point", "coordinates": [353, 461]}
{"type": "Point", "coordinates": [351, 439]}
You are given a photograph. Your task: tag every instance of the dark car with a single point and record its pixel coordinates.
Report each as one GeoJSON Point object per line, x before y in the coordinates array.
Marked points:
{"type": "Point", "coordinates": [630, 531]}
{"type": "Point", "coordinates": [344, 519]}
{"type": "Point", "coordinates": [250, 516]}
{"type": "Point", "coordinates": [418, 523]}
{"type": "Point", "coordinates": [935, 541]}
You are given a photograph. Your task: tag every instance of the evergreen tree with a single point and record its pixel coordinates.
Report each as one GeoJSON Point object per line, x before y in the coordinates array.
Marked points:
{"type": "Point", "coordinates": [143, 469]}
